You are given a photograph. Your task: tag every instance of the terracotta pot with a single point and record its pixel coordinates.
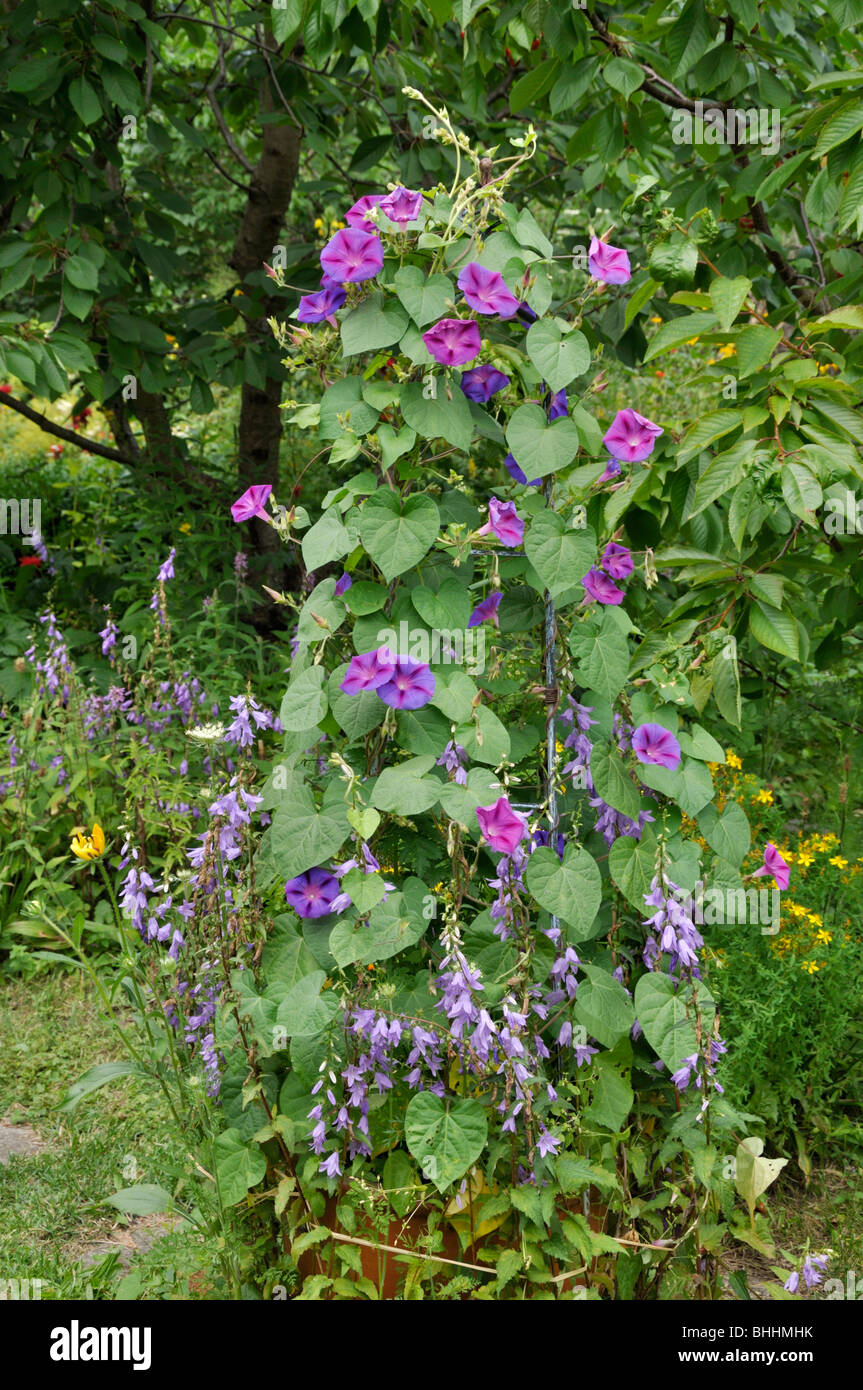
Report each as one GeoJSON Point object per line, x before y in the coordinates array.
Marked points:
{"type": "Point", "coordinates": [387, 1270]}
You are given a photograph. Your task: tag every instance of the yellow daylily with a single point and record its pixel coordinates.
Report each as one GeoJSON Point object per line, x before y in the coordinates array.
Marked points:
{"type": "Point", "coordinates": [89, 846]}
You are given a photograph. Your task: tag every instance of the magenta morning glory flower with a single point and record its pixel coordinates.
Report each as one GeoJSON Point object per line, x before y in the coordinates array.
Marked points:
{"type": "Point", "coordinates": [600, 587]}
{"type": "Point", "coordinates": [252, 502]}
{"type": "Point", "coordinates": [775, 867]}
{"type": "Point", "coordinates": [352, 255]}
{"type": "Point", "coordinates": [486, 612]}
{"type": "Point", "coordinates": [617, 561]}
{"type": "Point", "coordinates": [503, 522]}
{"type": "Point", "coordinates": [343, 584]}
{"type": "Point", "coordinates": [357, 216]}
{"type": "Point", "coordinates": [631, 437]}
{"type": "Point", "coordinates": [518, 474]}
{"type": "Point", "coordinates": [608, 263]}
{"type": "Point", "coordinates": [653, 744]}
{"type": "Point", "coordinates": [453, 341]}
{"type": "Point", "coordinates": [313, 893]}
{"type": "Point", "coordinates": [314, 308]}
{"type": "Point", "coordinates": [410, 687]}
{"type": "Point", "coordinates": [402, 205]}
{"type": "Point", "coordinates": [481, 383]}
{"type": "Point", "coordinates": [501, 826]}
{"type": "Point", "coordinates": [486, 291]}
{"type": "Point", "coordinates": [368, 670]}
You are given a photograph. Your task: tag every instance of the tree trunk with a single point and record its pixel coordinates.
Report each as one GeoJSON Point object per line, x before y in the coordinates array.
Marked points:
{"type": "Point", "coordinates": [270, 187]}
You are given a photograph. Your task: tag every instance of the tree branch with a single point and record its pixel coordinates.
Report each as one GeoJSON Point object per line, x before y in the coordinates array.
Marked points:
{"type": "Point", "coordinates": [72, 438]}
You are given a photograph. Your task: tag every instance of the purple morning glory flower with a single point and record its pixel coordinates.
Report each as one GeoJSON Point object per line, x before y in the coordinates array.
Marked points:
{"type": "Point", "coordinates": [357, 216]}
{"type": "Point", "coordinates": [402, 206]}
{"type": "Point", "coordinates": [486, 612]}
{"type": "Point", "coordinates": [559, 407]}
{"type": "Point", "coordinates": [653, 744]}
{"type": "Point", "coordinates": [453, 341]}
{"type": "Point", "coordinates": [792, 1282]}
{"type": "Point", "coordinates": [600, 587]}
{"type": "Point", "coordinates": [411, 685]}
{"type": "Point", "coordinates": [632, 437]}
{"type": "Point", "coordinates": [612, 470]}
{"type": "Point", "coordinates": [314, 308]}
{"type": "Point", "coordinates": [343, 584]}
{"type": "Point", "coordinates": [252, 502]}
{"type": "Point", "coordinates": [481, 383]}
{"type": "Point", "coordinates": [369, 670]}
{"type": "Point", "coordinates": [313, 893]}
{"type": "Point", "coordinates": [486, 291]}
{"type": "Point", "coordinates": [352, 255]}
{"type": "Point", "coordinates": [503, 522]}
{"type": "Point", "coordinates": [517, 474]}
{"type": "Point", "coordinates": [608, 263]}
{"type": "Point", "coordinates": [617, 561]}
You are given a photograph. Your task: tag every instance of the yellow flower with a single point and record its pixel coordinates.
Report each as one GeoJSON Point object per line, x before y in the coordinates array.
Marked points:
{"type": "Point", "coordinates": [824, 936]}
{"type": "Point", "coordinates": [732, 759]}
{"type": "Point", "coordinates": [654, 318]}
{"type": "Point", "coordinates": [690, 341]}
{"type": "Point", "coordinates": [804, 858]}
{"type": "Point", "coordinates": [765, 796]}
{"type": "Point", "coordinates": [811, 966]}
{"type": "Point", "coordinates": [88, 846]}
{"type": "Point", "coordinates": [336, 226]}
{"type": "Point", "coordinates": [727, 350]}
{"type": "Point", "coordinates": [169, 338]}
{"type": "Point", "coordinates": [471, 468]}
{"type": "Point", "coordinates": [839, 861]}
{"type": "Point", "coordinates": [815, 920]}
{"type": "Point", "coordinates": [796, 909]}
{"type": "Point", "coordinates": [185, 526]}
{"type": "Point", "coordinates": [319, 224]}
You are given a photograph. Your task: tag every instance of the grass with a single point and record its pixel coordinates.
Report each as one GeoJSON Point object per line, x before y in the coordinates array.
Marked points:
{"type": "Point", "coordinates": [52, 1203]}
